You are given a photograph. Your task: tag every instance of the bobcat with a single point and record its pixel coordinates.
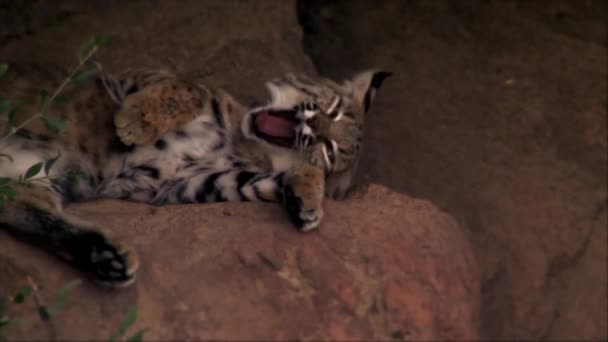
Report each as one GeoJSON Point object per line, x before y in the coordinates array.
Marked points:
{"type": "Point", "coordinates": [155, 138]}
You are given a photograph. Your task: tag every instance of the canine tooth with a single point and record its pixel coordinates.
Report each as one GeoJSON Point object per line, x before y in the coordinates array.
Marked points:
{"type": "Point", "coordinates": [339, 116]}
{"type": "Point", "coordinates": [333, 105]}
{"type": "Point", "coordinates": [325, 156]}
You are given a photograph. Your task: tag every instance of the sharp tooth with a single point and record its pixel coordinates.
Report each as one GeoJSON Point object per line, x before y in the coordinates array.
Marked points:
{"type": "Point", "coordinates": [333, 105]}
{"type": "Point", "coordinates": [339, 116]}
{"type": "Point", "coordinates": [334, 146]}
{"type": "Point", "coordinates": [325, 156]}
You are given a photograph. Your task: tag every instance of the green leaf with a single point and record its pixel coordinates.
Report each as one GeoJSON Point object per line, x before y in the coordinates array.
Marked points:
{"type": "Point", "coordinates": [4, 104]}
{"type": "Point", "coordinates": [49, 163]}
{"type": "Point", "coordinates": [3, 69]}
{"type": "Point", "coordinates": [75, 173]}
{"type": "Point", "coordinates": [4, 320]}
{"type": "Point", "coordinates": [84, 76]}
{"type": "Point", "coordinates": [4, 181]}
{"type": "Point", "coordinates": [32, 171]}
{"type": "Point", "coordinates": [86, 48]}
{"type": "Point", "coordinates": [22, 294]}
{"type": "Point", "coordinates": [125, 324]}
{"type": "Point", "coordinates": [102, 39]}
{"type": "Point", "coordinates": [62, 295]}
{"type": "Point", "coordinates": [13, 113]}
{"type": "Point", "coordinates": [7, 193]}
{"type": "Point", "coordinates": [43, 95]}
{"type": "Point", "coordinates": [94, 65]}
{"type": "Point", "coordinates": [54, 123]}
{"type": "Point", "coordinates": [44, 313]}
{"type": "Point", "coordinates": [137, 337]}
{"type": "Point", "coordinates": [61, 99]}
{"type": "Point", "coordinates": [11, 321]}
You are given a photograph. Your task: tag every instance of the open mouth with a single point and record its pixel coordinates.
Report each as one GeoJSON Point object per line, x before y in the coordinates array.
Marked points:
{"type": "Point", "coordinates": [275, 126]}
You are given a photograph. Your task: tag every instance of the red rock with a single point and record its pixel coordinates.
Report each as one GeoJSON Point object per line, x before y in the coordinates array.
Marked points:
{"type": "Point", "coordinates": [382, 266]}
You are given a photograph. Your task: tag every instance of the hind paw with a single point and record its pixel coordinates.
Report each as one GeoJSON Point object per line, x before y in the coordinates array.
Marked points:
{"type": "Point", "coordinates": [131, 126]}
{"type": "Point", "coordinates": [108, 262]}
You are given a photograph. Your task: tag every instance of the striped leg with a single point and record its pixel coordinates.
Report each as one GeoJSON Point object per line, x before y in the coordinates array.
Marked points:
{"type": "Point", "coordinates": [300, 190]}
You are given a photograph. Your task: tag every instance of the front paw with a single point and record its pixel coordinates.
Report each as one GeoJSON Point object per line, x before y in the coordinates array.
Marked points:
{"type": "Point", "coordinates": [107, 261]}
{"type": "Point", "coordinates": [303, 198]}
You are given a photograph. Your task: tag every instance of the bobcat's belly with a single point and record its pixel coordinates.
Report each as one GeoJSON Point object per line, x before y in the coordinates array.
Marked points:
{"type": "Point", "coordinates": [198, 147]}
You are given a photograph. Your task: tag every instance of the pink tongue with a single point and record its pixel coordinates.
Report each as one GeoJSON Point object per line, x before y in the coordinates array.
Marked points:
{"type": "Point", "coordinates": [275, 126]}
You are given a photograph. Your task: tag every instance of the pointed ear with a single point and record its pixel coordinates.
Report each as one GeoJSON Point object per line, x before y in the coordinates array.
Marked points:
{"type": "Point", "coordinates": [365, 84]}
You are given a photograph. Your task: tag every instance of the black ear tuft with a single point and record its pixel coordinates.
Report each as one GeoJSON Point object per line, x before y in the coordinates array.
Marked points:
{"type": "Point", "coordinates": [375, 83]}
{"type": "Point", "coordinates": [379, 78]}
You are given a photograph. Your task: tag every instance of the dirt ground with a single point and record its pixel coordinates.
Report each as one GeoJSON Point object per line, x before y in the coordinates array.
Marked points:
{"type": "Point", "coordinates": [497, 113]}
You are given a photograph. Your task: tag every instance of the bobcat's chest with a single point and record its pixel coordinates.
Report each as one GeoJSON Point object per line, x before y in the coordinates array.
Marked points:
{"type": "Point", "coordinates": [197, 147]}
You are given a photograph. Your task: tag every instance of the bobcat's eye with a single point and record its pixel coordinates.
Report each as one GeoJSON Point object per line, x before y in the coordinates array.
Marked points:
{"type": "Point", "coordinates": [330, 153]}
{"type": "Point", "coordinates": [334, 111]}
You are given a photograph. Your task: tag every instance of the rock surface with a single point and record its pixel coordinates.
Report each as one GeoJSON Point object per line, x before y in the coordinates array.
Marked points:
{"type": "Point", "coordinates": [382, 266]}
{"type": "Point", "coordinates": [497, 114]}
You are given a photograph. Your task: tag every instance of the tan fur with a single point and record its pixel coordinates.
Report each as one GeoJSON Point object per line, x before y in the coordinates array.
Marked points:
{"type": "Point", "coordinates": [223, 156]}
{"type": "Point", "coordinates": [158, 108]}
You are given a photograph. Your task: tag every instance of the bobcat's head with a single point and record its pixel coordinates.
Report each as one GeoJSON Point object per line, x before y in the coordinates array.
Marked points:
{"type": "Point", "coordinates": [319, 119]}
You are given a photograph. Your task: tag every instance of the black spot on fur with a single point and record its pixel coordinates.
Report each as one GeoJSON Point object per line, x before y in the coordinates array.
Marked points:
{"type": "Point", "coordinates": [100, 176]}
{"type": "Point", "coordinates": [279, 180]}
{"type": "Point", "coordinates": [217, 113]}
{"type": "Point", "coordinates": [238, 164]}
{"type": "Point", "coordinates": [117, 146]}
{"type": "Point", "coordinates": [129, 88]}
{"type": "Point", "coordinates": [241, 179]}
{"type": "Point", "coordinates": [181, 191]}
{"type": "Point", "coordinates": [160, 144]}
{"type": "Point", "coordinates": [151, 171]}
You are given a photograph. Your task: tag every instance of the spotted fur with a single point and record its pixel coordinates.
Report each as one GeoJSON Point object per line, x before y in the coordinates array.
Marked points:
{"type": "Point", "coordinates": [154, 138]}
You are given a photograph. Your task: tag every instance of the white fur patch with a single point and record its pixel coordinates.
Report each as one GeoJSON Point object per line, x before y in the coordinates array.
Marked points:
{"type": "Point", "coordinates": [248, 192]}
{"type": "Point", "coordinates": [266, 185]}
{"type": "Point", "coordinates": [306, 129]}
{"type": "Point", "coordinates": [309, 114]}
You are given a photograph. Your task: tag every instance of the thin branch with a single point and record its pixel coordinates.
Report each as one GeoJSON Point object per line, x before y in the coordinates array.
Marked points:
{"type": "Point", "coordinates": [46, 103]}
{"type": "Point", "coordinates": [40, 305]}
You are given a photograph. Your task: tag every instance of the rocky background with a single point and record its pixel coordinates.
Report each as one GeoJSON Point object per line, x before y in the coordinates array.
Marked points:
{"type": "Point", "coordinates": [497, 115]}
